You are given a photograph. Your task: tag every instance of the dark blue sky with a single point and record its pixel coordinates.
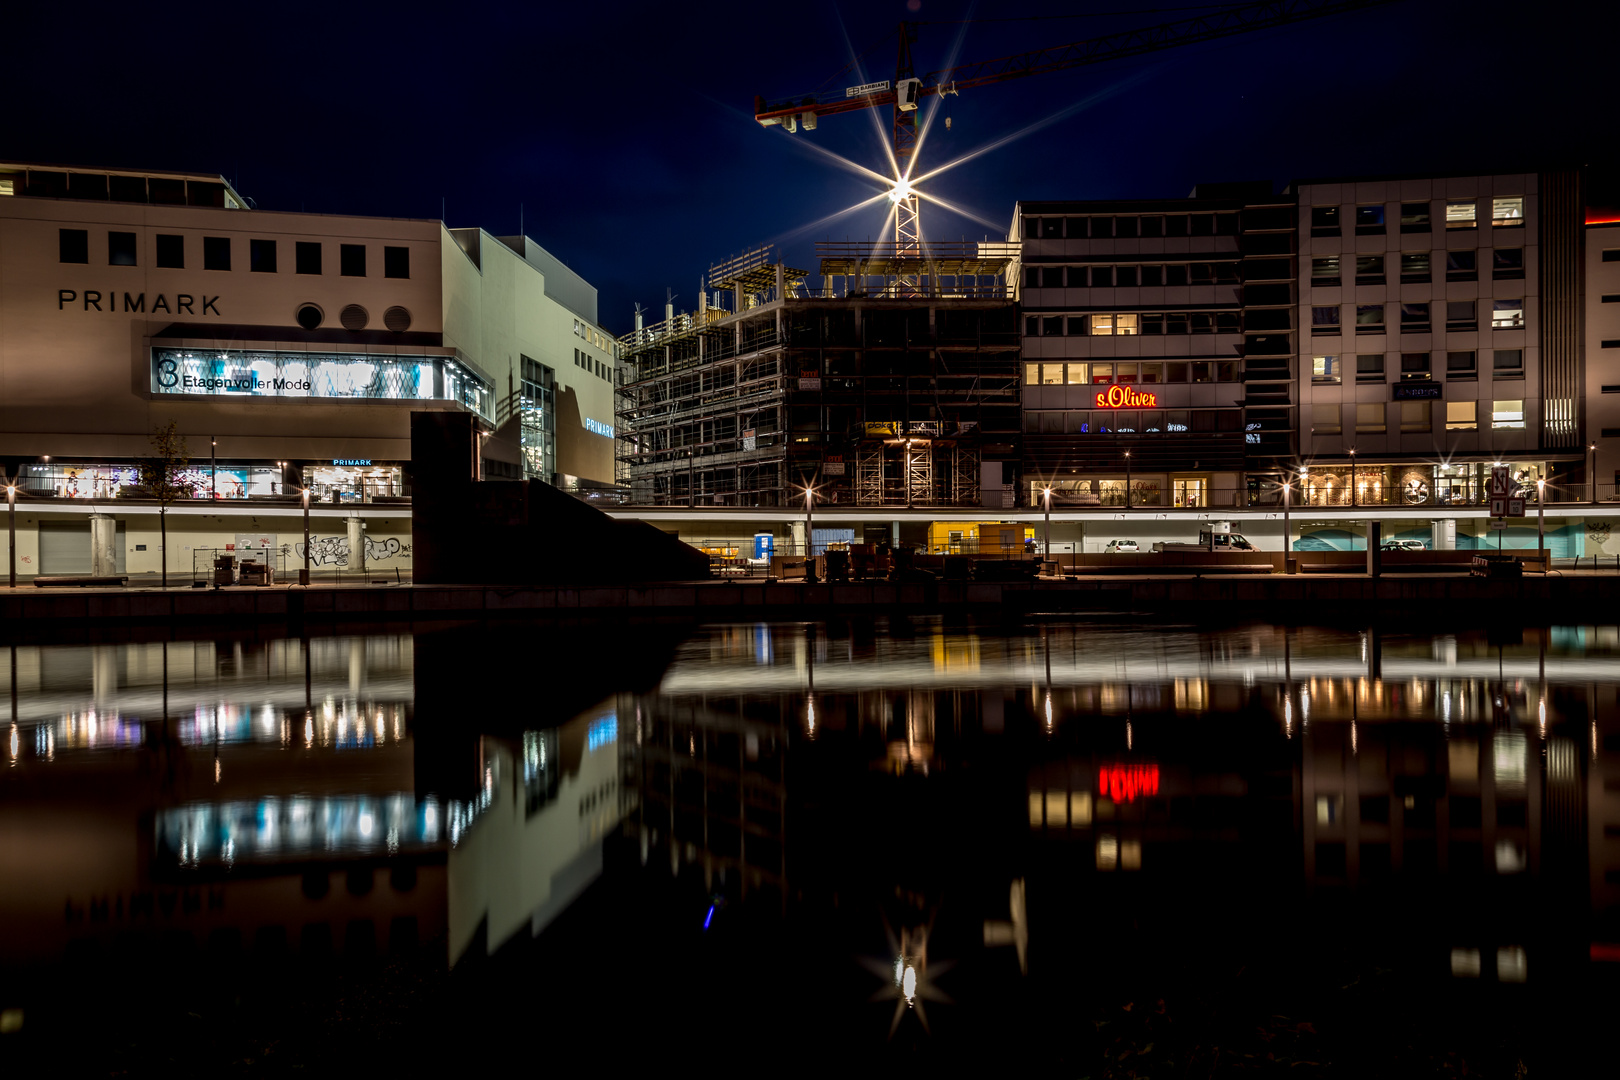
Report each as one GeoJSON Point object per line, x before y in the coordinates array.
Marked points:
{"type": "Point", "coordinates": [625, 130]}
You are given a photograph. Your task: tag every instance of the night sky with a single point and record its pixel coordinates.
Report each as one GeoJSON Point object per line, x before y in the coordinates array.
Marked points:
{"type": "Point", "coordinates": [625, 131]}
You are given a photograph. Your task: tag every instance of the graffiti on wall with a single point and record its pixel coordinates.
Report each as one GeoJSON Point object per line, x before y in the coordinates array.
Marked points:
{"type": "Point", "coordinates": [334, 550]}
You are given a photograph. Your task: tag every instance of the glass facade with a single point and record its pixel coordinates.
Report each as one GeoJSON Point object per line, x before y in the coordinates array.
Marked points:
{"type": "Point", "coordinates": [539, 422]}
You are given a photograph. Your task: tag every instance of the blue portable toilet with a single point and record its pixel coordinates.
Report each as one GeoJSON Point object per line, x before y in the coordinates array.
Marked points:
{"type": "Point", "coordinates": [764, 544]}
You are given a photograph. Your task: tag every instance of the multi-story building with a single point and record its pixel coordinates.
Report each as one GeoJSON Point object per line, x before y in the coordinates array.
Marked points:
{"type": "Point", "coordinates": [1602, 318]}
{"type": "Point", "coordinates": [892, 383]}
{"type": "Point", "coordinates": [1444, 319]}
{"type": "Point", "coordinates": [1158, 347]}
{"type": "Point", "coordinates": [289, 349]}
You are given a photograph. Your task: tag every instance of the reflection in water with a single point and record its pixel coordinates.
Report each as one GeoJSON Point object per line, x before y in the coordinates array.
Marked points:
{"type": "Point", "coordinates": [932, 799]}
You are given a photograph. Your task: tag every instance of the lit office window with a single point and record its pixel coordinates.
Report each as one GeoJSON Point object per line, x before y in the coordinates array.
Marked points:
{"type": "Point", "coordinates": [1415, 416]}
{"type": "Point", "coordinates": [1462, 415]}
{"type": "Point", "coordinates": [1370, 417]}
{"type": "Point", "coordinates": [1461, 215]}
{"type": "Point", "coordinates": [1507, 315]}
{"type": "Point", "coordinates": [1125, 324]}
{"type": "Point", "coordinates": [1052, 374]}
{"type": "Point", "coordinates": [1507, 212]}
{"type": "Point", "coordinates": [1325, 369]}
{"type": "Point", "coordinates": [1326, 420]}
{"type": "Point", "coordinates": [1507, 414]}
{"type": "Point", "coordinates": [1032, 374]}
{"type": "Point", "coordinates": [1102, 325]}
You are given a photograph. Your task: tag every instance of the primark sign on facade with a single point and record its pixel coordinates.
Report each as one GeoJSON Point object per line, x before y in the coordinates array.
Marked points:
{"type": "Point", "coordinates": [316, 375]}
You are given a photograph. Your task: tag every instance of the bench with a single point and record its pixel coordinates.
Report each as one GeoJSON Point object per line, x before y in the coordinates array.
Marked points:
{"type": "Point", "coordinates": [68, 581]}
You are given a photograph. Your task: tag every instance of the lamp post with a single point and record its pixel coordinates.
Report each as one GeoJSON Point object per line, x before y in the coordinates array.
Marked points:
{"type": "Point", "coordinates": [303, 575]}
{"type": "Point", "coordinates": [1127, 479]}
{"type": "Point", "coordinates": [1591, 469]}
{"type": "Point", "coordinates": [1287, 563]}
{"type": "Point", "coordinates": [1541, 515]}
{"type": "Point", "coordinates": [907, 477]}
{"type": "Point", "coordinates": [11, 527]}
{"type": "Point", "coordinates": [1046, 511]}
{"type": "Point", "coordinates": [1353, 496]}
{"type": "Point", "coordinates": [213, 468]}
{"type": "Point", "coordinates": [809, 534]}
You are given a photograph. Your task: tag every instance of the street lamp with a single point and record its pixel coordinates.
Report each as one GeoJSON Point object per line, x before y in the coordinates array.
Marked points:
{"type": "Point", "coordinates": [1541, 516]}
{"type": "Point", "coordinates": [809, 534]}
{"type": "Point", "coordinates": [303, 575]}
{"type": "Point", "coordinates": [11, 529]}
{"type": "Point", "coordinates": [1046, 505]}
{"type": "Point", "coordinates": [908, 474]}
{"type": "Point", "coordinates": [213, 468]}
{"type": "Point", "coordinates": [1287, 491]}
{"type": "Point", "coordinates": [1353, 495]}
{"type": "Point", "coordinates": [1127, 479]}
{"type": "Point", "coordinates": [1591, 470]}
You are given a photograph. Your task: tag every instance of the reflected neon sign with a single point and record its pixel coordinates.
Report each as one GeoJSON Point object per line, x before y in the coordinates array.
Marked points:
{"type": "Point", "coordinates": [1125, 783]}
{"type": "Point", "coordinates": [1123, 397]}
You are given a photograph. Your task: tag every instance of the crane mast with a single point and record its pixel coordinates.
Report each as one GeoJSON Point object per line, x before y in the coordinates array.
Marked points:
{"type": "Point", "coordinates": [907, 90]}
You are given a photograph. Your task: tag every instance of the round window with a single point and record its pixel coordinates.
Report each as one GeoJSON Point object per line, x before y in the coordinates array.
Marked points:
{"type": "Point", "coordinates": [354, 317]}
{"type": "Point", "coordinates": [397, 319]}
{"type": "Point", "coordinates": [310, 316]}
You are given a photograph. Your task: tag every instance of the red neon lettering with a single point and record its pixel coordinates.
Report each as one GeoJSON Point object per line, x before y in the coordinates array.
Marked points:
{"type": "Point", "coordinates": [1123, 397]}
{"type": "Point", "coordinates": [1124, 783]}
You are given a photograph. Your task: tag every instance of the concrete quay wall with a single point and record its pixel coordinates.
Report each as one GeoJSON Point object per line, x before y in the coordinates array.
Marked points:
{"type": "Point", "coordinates": [1535, 597]}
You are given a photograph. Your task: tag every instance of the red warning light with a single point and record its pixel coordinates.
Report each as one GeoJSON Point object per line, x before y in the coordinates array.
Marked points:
{"type": "Point", "coordinates": [1124, 783]}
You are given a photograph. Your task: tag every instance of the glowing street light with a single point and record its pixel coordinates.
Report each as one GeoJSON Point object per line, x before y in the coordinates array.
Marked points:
{"type": "Point", "coordinates": [11, 530]}
{"type": "Point", "coordinates": [303, 575]}
{"type": "Point", "coordinates": [901, 191]}
{"type": "Point", "coordinates": [1046, 503]}
{"type": "Point", "coordinates": [1288, 565]}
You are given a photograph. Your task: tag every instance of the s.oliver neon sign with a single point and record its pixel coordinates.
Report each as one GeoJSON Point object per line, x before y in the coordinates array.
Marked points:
{"type": "Point", "coordinates": [1123, 397]}
{"type": "Point", "coordinates": [1125, 783]}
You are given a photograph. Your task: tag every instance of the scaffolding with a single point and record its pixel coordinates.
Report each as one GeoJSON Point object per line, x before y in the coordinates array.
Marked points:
{"type": "Point", "coordinates": [771, 385]}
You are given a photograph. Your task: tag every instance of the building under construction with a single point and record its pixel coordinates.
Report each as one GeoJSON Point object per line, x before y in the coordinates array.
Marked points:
{"type": "Point", "coordinates": [889, 379]}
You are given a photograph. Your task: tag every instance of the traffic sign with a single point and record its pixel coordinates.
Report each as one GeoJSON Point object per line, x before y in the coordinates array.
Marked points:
{"type": "Point", "coordinates": [1515, 508]}
{"type": "Point", "coordinates": [1499, 481]}
{"type": "Point", "coordinates": [1498, 523]}
{"type": "Point", "coordinates": [1498, 506]}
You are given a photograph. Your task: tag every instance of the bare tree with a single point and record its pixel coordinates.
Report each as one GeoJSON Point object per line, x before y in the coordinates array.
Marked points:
{"type": "Point", "coordinates": [164, 477]}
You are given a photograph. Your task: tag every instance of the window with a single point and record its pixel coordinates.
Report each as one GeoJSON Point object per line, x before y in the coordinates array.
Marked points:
{"type": "Point", "coordinates": [120, 249]}
{"type": "Point", "coordinates": [1101, 276]}
{"type": "Point", "coordinates": [1415, 217]}
{"type": "Point", "coordinates": [1175, 322]}
{"type": "Point", "coordinates": [216, 253]}
{"type": "Point", "coordinates": [1325, 320]}
{"type": "Point", "coordinates": [1462, 415]}
{"type": "Point", "coordinates": [1102, 373]}
{"type": "Point", "coordinates": [1370, 367]}
{"type": "Point", "coordinates": [1610, 298]}
{"type": "Point", "coordinates": [261, 256]}
{"type": "Point", "coordinates": [1324, 221]}
{"type": "Point", "coordinates": [1228, 322]}
{"type": "Point", "coordinates": [1153, 373]}
{"type": "Point", "coordinates": [1125, 373]}
{"type": "Point", "coordinates": [1175, 225]}
{"type": "Point", "coordinates": [1414, 318]}
{"type": "Point", "coordinates": [73, 245]}
{"type": "Point", "coordinates": [1125, 324]}
{"type": "Point", "coordinates": [1414, 366]}
{"type": "Point", "coordinates": [1125, 226]}
{"type": "Point", "coordinates": [1325, 270]}
{"type": "Point", "coordinates": [1369, 269]}
{"type": "Point", "coordinates": [1415, 416]}
{"type": "Point", "coordinates": [1102, 325]}
{"type": "Point", "coordinates": [1203, 322]}
{"type": "Point", "coordinates": [171, 251]}
{"type": "Point", "coordinates": [396, 262]}
{"type": "Point", "coordinates": [1462, 266]}
{"type": "Point", "coordinates": [1201, 273]}
{"type": "Point", "coordinates": [1175, 275]}
{"type": "Point", "coordinates": [1125, 276]}
{"type": "Point", "coordinates": [1325, 369]}
{"type": "Point", "coordinates": [1052, 374]}
{"type": "Point", "coordinates": [352, 260]}
{"type": "Point", "coordinates": [1201, 224]}
{"type": "Point", "coordinates": [1078, 374]}
{"type": "Point", "coordinates": [1370, 220]}
{"type": "Point", "coordinates": [1052, 228]}
{"type": "Point", "coordinates": [1461, 365]}
{"type": "Point", "coordinates": [1611, 254]}
{"type": "Point", "coordinates": [1414, 268]}
{"type": "Point", "coordinates": [1369, 318]}
{"type": "Point", "coordinates": [307, 256]}
{"type": "Point", "coordinates": [1032, 277]}
{"type": "Point", "coordinates": [1508, 363]}
{"type": "Point", "coordinates": [1052, 326]}
{"type": "Point", "coordinates": [1152, 275]}
{"type": "Point", "coordinates": [1460, 215]}
{"type": "Point", "coordinates": [1506, 213]}
{"type": "Point", "coordinates": [1153, 226]}
{"type": "Point", "coordinates": [1153, 324]}
{"type": "Point", "coordinates": [1460, 315]}
{"type": "Point", "coordinates": [1507, 314]}
{"type": "Point", "coordinates": [1326, 420]}
{"type": "Point", "coordinates": [1507, 414]}
{"type": "Point", "coordinates": [1032, 374]}
{"type": "Point", "coordinates": [1507, 264]}
{"type": "Point", "coordinates": [1077, 325]}
{"type": "Point", "coordinates": [1369, 417]}
{"type": "Point", "coordinates": [1051, 277]}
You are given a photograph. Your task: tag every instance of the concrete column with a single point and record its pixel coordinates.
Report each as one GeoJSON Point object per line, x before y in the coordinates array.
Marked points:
{"type": "Point", "coordinates": [1375, 541]}
{"type": "Point", "coordinates": [103, 553]}
{"type": "Point", "coordinates": [357, 544]}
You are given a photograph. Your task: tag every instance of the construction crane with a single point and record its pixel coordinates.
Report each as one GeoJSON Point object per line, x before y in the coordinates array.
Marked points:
{"type": "Point", "coordinates": [907, 89]}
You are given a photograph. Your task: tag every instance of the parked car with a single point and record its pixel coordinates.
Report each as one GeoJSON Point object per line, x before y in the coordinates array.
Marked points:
{"type": "Point", "coordinates": [1122, 545]}
{"type": "Point", "coordinates": [1405, 545]}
